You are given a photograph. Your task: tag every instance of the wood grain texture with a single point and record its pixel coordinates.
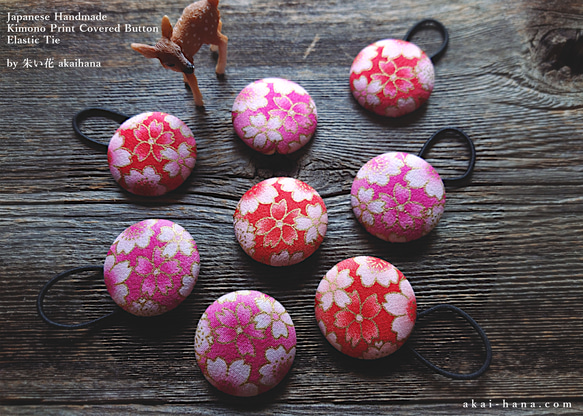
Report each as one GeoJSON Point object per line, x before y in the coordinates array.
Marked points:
{"type": "Point", "coordinates": [508, 249]}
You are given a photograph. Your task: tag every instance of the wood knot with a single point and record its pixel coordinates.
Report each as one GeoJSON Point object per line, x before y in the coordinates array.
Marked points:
{"type": "Point", "coordinates": [560, 52]}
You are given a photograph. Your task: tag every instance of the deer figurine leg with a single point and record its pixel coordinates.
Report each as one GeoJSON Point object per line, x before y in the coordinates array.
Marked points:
{"type": "Point", "coordinates": [222, 61]}
{"type": "Point", "coordinates": [192, 82]}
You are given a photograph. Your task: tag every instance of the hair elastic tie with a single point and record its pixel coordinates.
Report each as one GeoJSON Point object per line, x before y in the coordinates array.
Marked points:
{"type": "Point", "coordinates": [150, 154]}
{"type": "Point", "coordinates": [394, 77]}
{"type": "Point", "coordinates": [55, 279]}
{"type": "Point", "coordinates": [400, 197]}
{"type": "Point", "coordinates": [150, 268]}
{"type": "Point", "coordinates": [366, 308]}
{"type": "Point", "coordinates": [479, 330]}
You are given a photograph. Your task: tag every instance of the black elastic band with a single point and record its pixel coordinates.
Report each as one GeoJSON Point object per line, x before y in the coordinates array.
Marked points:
{"type": "Point", "coordinates": [440, 27]}
{"type": "Point", "coordinates": [436, 136]}
{"type": "Point", "coordinates": [55, 279]}
{"type": "Point", "coordinates": [477, 327]}
{"type": "Point", "coordinates": [96, 112]}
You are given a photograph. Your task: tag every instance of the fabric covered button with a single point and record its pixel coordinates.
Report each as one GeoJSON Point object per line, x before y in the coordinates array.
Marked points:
{"type": "Point", "coordinates": [274, 115]}
{"type": "Point", "coordinates": [398, 197]}
{"type": "Point", "coordinates": [365, 307]}
{"type": "Point", "coordinates": [152, 153]}
{"type": "Point", "coordinates": [392, 77]}
{"type": "Point", "coordinates": [245, 343]}
{"type": "Point", "coordinates": [151, 267]}
{"type": "Point", "coordinates": [280, 221]}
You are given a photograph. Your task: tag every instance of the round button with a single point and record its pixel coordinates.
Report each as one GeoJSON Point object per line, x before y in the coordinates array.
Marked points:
{"type": "Point", "coordinates": [274, 115]}
{"type": "Point", "coordinates": [392, 77]}
{"type": "Point", "coordinates": [280, 221]}
{"type": "Point", "coordinates": [151, 267]}
{"type": "Point", "coordinates": [365, 307]}
{"type": "Point", "coordinates": [151, 154]}
{"type": "Point", "coordinates": [398, 197]}
{"type": "Point", "coordinates": [245, 343]}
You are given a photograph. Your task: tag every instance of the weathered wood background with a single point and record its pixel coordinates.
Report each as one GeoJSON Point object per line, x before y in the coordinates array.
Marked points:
{"type": "Point", "coordinates": [508, 249]}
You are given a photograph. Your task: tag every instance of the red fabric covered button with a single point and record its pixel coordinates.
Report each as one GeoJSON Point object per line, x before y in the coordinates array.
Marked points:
{"type": "Point", "coordinates": [392, 77]}
{"type": "Point", "coordinates": [245, 343]}
{"type": "Point", "coordinates": [151, 267]}
{"type": "Point", "coordinates": [365, 307]}
{"type": "Point", "coordinates": [152, 153]}
{"type": "Point", "coordinates": [274, 115]}
{"type": "Point", "coordinates": [280, 221]}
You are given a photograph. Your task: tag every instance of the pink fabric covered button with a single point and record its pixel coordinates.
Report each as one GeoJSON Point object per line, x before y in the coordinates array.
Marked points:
{"type": "Point", "coordinates": [152, 153]}
{"type": "Point", "coordinates": [280, 221]}
{"type": "Point", "coordinates": [398, 197]}
{"type": "Point", "coordinates": [392, 77]}
{"type": "Point", "coordinates": [245, 343]}
{"type": "Point", "coordinates": [274, 115]}
{"type": "Point", "coordinates": [151, 267]}
{"type": "Point", "coordinates": [365, 307]}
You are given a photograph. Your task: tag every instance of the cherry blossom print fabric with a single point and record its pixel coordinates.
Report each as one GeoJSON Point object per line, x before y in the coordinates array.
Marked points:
{"type": "Point", "coordinates": [151, 267]}
{"type": "Point", "coordinates": [392, 77]}
{"type": "Point", "coordinates": [274, 115]}
{"type": "Point", "coordinates": [152, 153]}
{"type": "Point", "coordinates": [280, 221]}
{"type": "Point", "coordinates": [365, 307]}
{"type": "Point", "coordinates": [398, 197]}
{"type": "Point", "coordinates": [245, 343]}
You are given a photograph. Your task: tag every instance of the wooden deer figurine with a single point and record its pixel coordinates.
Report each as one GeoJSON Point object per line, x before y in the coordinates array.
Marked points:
{"type": "Point", "coordinates": [199, 24]}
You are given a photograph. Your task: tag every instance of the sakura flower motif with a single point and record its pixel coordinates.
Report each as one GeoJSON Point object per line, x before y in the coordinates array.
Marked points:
{"type": "Point", "coordinates": [134, 122]}
{"type": "Point", "coordinates": [315, 223]}
{"type": "Point", "coordinates": [299, 190]}
{"type": "Point", "coordinates": [379, 349]}
{"type": "Point", "coordinates": [181, 161]}
{"type": "Point", "coordinates": [283, 258]}
{"type": "Point", "coordinates": [363, 61]}
{"type": "Point", "coordinates": [153, 139]}
{"type": "Point", "coordinates": [263, 131]}
{"type": "Point", "coordinates": [157, 272]}
{"type": "Point", "coordinates": [145, 183]}
{"type": "Point", "coordinates": [366, 93]}
{"type": "Point", "coordinates": [232, 296]}
{"type": "Point", "coordinates": [403, 306]}
{"type": "Point", "coordinates": [175, 123]}
{"type": "Point", "coordinates": [400, 209]}
{"type": "Point", "coordinates": [358, 319]}
{"type": "Point", "coordinates": [295, 145]}
{"type": "Point", "coordinates": [279, 360]}
{"type": "Point", "coordinates": [423, 175]}
{"type": "Point", "coordinates": [272, 314]}
{"type": "Point", "coordinates": [373, 270]}
{"type": "Point", "coordinates": [117, 155]}
{"type": "Point", "coordinates": [425, 74]}
{"type": "Point", "coordinates": [284, 86]}
{"type": "Point", "coordinates": [237, 327]}
{"type": "Point", "coordinates": [331, 336]}
{"type": "Point", "coordinates": [252, 97]}
{"type": "Point", "coordinates": [393, 48]}
{"type": "Point", "coordinates": [232, 377]}
{"type": "Point", "coordinates": [245, 233]}
{"type": "Point", "coordinates": [177, 239]}
{"type": "Point", "coordinates": [262, 193]}
{"type": "Point", "coordinates": [332, 288]}
{"type": "Point", "coordinates": [203, 339]}
{"type": "Point", "coordinates": [138, 235]}
{"type": "Point", "coordinates": [403, 106]}
{"type": "Point", "coordinates": [394, 78]}
{"type": "Point", "coordinates": [294, 114]}
{"type": "Point", "coordinates": [188, 282]}
{"type": "Point", "coordinates": [380, 169]}
{"type": "Point", "coordinates": [279, 226]}
{"type": "Point", "coordinates": [146, 307]}
{"type": "Point", "coordinates": [364, 207]}
{"type": "Point", "coordinates": [116, 275]}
